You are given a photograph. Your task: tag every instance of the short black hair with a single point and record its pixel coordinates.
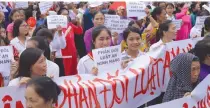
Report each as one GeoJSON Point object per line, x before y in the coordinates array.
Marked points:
{"type": "Point", "coordinates": [156, 11]}
{"type": "Point", "coordinates": [61, 9]}
{"type": "Point", "coordinates": [98, 12]}
{"type": "Point", "coordinates": [202, 49]}
{"type": "Point", "coordinates": [149, 7]}
{"type": "Point", "coordinates": [170, 4]}
{"type": "Point", "coordinates": [43, 45]}
{"type": "Point", "coordinates": [44, 32]}
{"type": "Point", "coordinates": [192, 6]}
{"type": "Point", "coordinates": [46, 88]}
{"type": "Point", "coordinates": [128, 30]}
{"type": "Point", "coordinates": [207, 23]}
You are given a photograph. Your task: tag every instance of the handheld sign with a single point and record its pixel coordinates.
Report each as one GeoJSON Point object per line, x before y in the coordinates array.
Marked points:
{"type": "Point", "coordinates": [3, 8]}
{"type": "Point", "coordinates": [200, 21]}
{"type": "Point", "coordinates": [54, 20]}
{"type": "Point", "coordinates": [107, 59]}
{"type": "Point", "coordinates": [115, 24]}
{"type": "Point", "coordinates": [178, 24]}
{"type": "Point", "coordinates": [109, 18]}
{"type": "Point", "coordinates": [206, 7]}
{"type": "Point", "coordinates": [6, 56]}
{"type": "Point", "coordinates": [21, 5]}
{"type": "Point", "coordinates": [135, 9]}
{"type": "Point", "coordinates": [45, 6]}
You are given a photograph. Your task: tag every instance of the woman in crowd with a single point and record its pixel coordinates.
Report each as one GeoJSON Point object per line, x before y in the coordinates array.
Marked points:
{"type": "Point", "coordinates": [98, 19]}
{"type": "Point", "coordinates": [101, 38]}
{"type": "Point", "coordinates": [58, 43]}
{"type": "Point", "coordinates": [14, 15]}
{"type": "Point", "coordinates": [69, 53]}
{"type": "Point", "coordinates": [185, 69]}
{"type": "Point", "coordinates": [132, 37]}
{"type": "Point", "coordinates": [32, 64]}
{"type": "Point", "coordinates": [184, 31]}
{"type": "Point", "coordinates": [3, 36]}
{"type": "Point", "coordinates": [197, 30]}
{"type": "Point", "coordinates": [206, 29]}
{"type": "Point", "coordinates": [2, 19]}
{"type": "Point", "coordinates": [194, 8]}
{"type": "Point", "coordinates": [148, 9]}
{"type": "Point", "coordinates": [22, 14]}
{"type": "Point", "coordinates": [48, 37]}
{"type": "Point", "coordinates": [139, 24]}
{"type": "Point", "coordinates": [166, 33]}
{"type": "Point", "coordinates": [41, 92]}
{"type": "Point", "coordinates": [20, 32]}
{"type": "Point", "coordinates": [39, 42]}
{"type": "Point", "coordinates": [162, 5]}
{"type": "Point", "coordinates": [202, 50]}
{"type": "Point", "coordinates": [149, 35]}
{"type": "Point", "coordinates": [170, 10]}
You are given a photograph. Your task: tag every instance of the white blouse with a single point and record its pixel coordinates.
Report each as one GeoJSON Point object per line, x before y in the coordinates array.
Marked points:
{"type": "Point", "coordinates": [156, 45]}
{"type": "Point", "coordinates": [195, 32]}
{"type": "Point", "coordinates": [170, 17]}
{"type": "Point", "coordinates": [85, 65]}
{"type": "Point", "coordinates": [125, 55]}
{"type": "Point", "coordinates": [52, 69]}
{"type": "Point", "coordinates": [58, 43]}
{"type": "Point", "coordinates": [18, 44]}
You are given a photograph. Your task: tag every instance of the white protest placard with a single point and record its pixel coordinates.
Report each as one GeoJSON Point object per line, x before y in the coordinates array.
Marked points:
{"type": "Point", "coordinates": [3, 8]}
{"type": "Point", "coordinates": [135, 9]}
{"type": "Point", "coordinates": [200, 21]}
{"type": "Point", "coordinates": [109, 18]}
{"type": "Point", "coordinates": [206, 7]}
{"type": "Point", "coordinates": [115, 23]}
{"type": "Point", "coordinates": [45, 6]}
{"type": "Point", "coordinates": [107, 59]}
{"type": "Point", "coordinates": [178, 23]}
{"type": "Point", "coordinates": [54, 20]}
{"type": "Point", "coordinates": [6, 56]}
{"type": "Point", "coordinates": [21, 4]}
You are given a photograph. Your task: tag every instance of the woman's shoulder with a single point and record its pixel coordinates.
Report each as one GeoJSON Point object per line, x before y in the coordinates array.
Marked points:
{"type": "Point", "coordinates": [14, 40]}
{"type": "Point", "coordinates": [85, 58]}
{"type": "Point", "coordinates": [156, 45]}
{"type": "Point", "coordinates": [14, 82]}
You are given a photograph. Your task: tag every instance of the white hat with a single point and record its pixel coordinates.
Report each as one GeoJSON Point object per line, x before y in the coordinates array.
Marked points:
{"type": "Point", "coordinates": [95, 4]}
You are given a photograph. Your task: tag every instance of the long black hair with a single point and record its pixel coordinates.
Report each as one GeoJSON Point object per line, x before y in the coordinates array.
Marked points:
{"type": "Point", "coordinates": [27, 59]}
{"type": "Point", "coordinates": [162, 27]}
{"type": "Point", "coordinates": [96, 31]}
{"type": "Point", "coordinates": [16, 27]}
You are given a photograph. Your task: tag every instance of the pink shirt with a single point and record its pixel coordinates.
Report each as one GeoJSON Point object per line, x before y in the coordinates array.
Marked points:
{"type": "Point", "coordinates": [184, 31]}
{"type": "Point", "coordinates": [10, 30]}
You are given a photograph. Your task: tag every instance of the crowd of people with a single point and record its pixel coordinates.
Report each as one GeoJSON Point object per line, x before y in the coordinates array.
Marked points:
{"type": "Point", "coordinates": [41, 53]}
